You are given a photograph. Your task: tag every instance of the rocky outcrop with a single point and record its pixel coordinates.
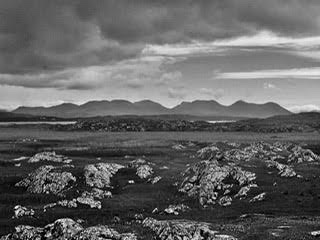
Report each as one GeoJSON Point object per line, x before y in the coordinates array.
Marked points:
{"type": "Point", "coordinates": [183, 229]}
{"type": "Point", "coordinates": [20, 211]}
{"type": "Point", "coordinates": [258, 150]}
{"type": "Point", "coordinates": [300, 155]}
{"type": "Point", "coordinates": [99, 175]}
{"type": "Point", "coordinates": [212, 182]}
{"type": "Point", "coordinates": [49, 157]}
{"type": "Point", "coordinates": [66, 229]}
{"type": "Point", "coordinates": [48, 180]}
{"type": "Point", "coordinates": [209, 152]}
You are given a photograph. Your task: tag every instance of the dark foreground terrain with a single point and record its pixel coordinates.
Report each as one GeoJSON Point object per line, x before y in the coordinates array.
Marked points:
{"type": "Point", "coordinates": [229, 185]}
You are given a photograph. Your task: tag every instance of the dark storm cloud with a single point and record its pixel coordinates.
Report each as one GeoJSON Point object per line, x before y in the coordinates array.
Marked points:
{"type": "Point", "coordinates": [41, 35]}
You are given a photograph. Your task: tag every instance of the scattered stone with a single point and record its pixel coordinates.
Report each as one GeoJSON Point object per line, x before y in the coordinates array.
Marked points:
{"type": "Point", "coordinates": [315, 233]}
{"type": "Point", "coordinates": [155, 179]}
{"type": "Point", "coordinates": [48, 180]}
{"type": "Point", "coordinates": [206, 180]}
{"type": "Point", "coordinates": [164, 167]}
{"type": "Point", "coordinates": [144, 171]}
{"type": "Point", "coordinates": [99, 175]}
{"type": "Point", "coordinates": [154, 211]}
{"type": "Point", "coordinates": [183, 229]}
{"type": "Point", "coordinates": [49, 157]}
{"type": "Point", "coordinates": [178, 147]}
{"type": "Point", "coordinates": [259, 197]}
{"type": "Point", "coordinates": [176, 209]}
{"type": "Point", "coordinates": [19, 159]}
{"type": "Point", "coordinates": [20, 211]}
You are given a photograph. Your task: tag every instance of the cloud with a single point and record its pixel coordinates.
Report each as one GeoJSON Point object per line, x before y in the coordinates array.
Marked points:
{"type": "Point", "coordinates": [37, 36]}
{"type": "Point", "coordinates": [212, 93]}
{"type": "Point", "coordinates": [133, 73]}
{"type": "Point", "coordinates": [296, 73]}
{"type": "Point", "coordinates": [176, 93]}
{"type": "Point", "coordinates": [305, 108]}
{"type": "Point", "coordinates": [270, 86]}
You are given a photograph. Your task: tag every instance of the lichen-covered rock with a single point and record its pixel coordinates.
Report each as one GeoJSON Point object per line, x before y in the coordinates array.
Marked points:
{"type": "Point", "coordinates": [208, 181]}
{"type": "Point", "coordinates": [144, 171]}
{"type": "Point", "coordinates": [49, 157]}
{"type": "Point", "coordinates": [47, 179]}
{"type": "Point", "coordinates": [67, 229]}
{"type": "Point", "coordinates": [299, 155]}
{"type": "Point", "coordinates": [97, 193]}
{"type": "Point", "coordinates": [99, 175]}
{"type": "Point", "coordinates": [176, 209]}
{"type": "Point", "coordinates": [24, 232]}
{"type": "Point", "coordinates": [68, 203]}
{"type": "Point", "coordinates": [90, 202]}
{"type": "Point", "coordinates": [64, 228]}
{"type": "Point", "coordinates": [20, 211]}
{"type": "Point", "coordinates": [103, 232]}
{"type": "Point", "coordinates": [225, 201]}
{"type": "Point", "coordinates": [207, 153]}
{"type": "Point", "coordinates": [183, 229]}
{"type": "Point", "coordinates": [137, 162]}
{"type": "Point", "coordinates": [284, 170]}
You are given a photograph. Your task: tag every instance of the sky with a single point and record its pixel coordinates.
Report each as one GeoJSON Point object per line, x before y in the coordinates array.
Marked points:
{"type": "Point", "coordinates": [169, 51]}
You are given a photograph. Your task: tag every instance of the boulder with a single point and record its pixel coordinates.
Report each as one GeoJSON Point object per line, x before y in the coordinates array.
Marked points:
{"type": "Point", "coordinates": [144, 171]}
{"type": "Point", "coordinates": [210, 180]}
{"type": "Point", "coordinates": [99, 175]}
{"type": "Point", "coordinates": [284, 170]}
{"type": "Point", "coordinates": [49, 157]}
{"type": "Point", "coordinates": [183, 229]}
{"type": "Point", "coordinates": [64, 228]}
{"type": "Point", "coordinates": [48, 180]}
{"type": "Point", "coordinates": [20, 211]}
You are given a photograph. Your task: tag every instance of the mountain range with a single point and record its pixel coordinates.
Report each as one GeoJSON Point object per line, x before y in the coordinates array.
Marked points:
{"type": "Point", "coordinates": [203, 108]}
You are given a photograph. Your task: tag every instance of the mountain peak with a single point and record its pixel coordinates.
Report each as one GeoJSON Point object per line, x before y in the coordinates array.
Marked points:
{"type": "Point", "coordinates": [147, 107]}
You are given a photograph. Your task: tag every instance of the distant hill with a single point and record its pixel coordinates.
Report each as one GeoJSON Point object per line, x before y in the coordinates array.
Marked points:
{"type": "Point", "coordinates": [16, 117]}
{"type": "Point", "coordinates": [147, 107]}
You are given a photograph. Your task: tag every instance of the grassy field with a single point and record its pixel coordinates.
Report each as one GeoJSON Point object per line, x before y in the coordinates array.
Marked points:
{"type": "Point", "coordinates": [291, 201]}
